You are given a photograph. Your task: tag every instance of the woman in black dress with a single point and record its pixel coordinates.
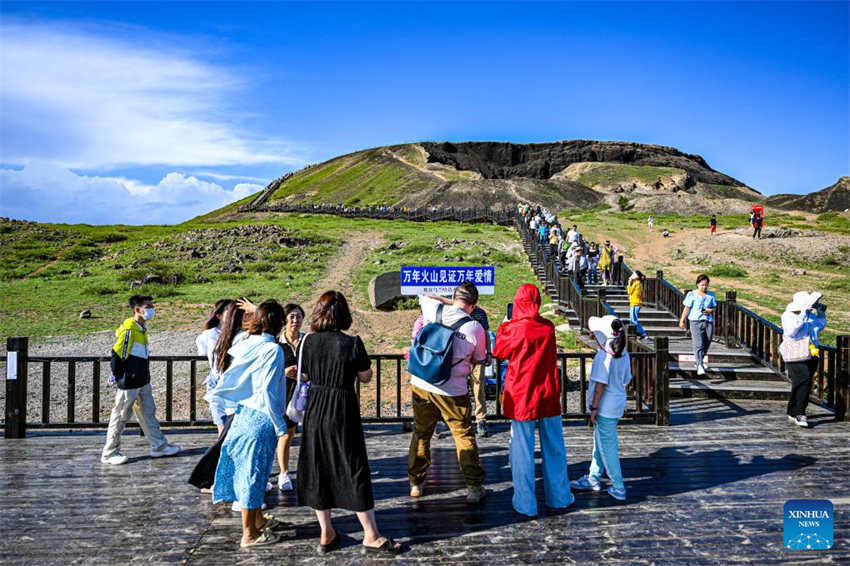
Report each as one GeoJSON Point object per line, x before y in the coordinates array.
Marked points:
{"type": "Point", "coordinates": [333, 468]}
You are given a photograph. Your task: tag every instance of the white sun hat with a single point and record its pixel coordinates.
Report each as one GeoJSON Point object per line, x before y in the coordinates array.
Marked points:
{"type": "Point", "coordinates": [803, 301]}
{"type": "Point", "coordinates": [601, 328]}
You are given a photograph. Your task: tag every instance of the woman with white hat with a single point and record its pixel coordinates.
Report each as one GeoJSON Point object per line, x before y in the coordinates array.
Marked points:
{"type": "Point", "coordinates": [610, 373]}
{"type": "Point", "coordinates": [803, 319]}
{"type": "Point", "coordinates": [699, 306]}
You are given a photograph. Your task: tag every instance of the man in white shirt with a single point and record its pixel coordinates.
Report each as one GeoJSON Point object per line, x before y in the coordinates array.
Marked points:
{"type": "Point", "coordinates": [572, 234]}
{"type": "Point", "coordinates": [450, 399]}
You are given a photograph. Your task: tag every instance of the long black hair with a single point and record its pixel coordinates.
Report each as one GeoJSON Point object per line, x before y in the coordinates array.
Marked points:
{"type": "Point", "coordinates": [618, 341]}
{"type": "Point", "coordinates": [231, 324]}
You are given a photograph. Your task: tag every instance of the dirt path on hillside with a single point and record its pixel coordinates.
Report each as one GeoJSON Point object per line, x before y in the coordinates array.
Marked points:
{"type": "Point", "coordinates": [345, 263]}
{"type": "Point", "coordinates": [416, 166]}
{"type": "Point", "coordinates": [381, 329]}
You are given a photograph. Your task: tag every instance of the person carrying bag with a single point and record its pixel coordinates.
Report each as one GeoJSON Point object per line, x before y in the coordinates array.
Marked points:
{"type": "Point", "coordinates": [803, 319]}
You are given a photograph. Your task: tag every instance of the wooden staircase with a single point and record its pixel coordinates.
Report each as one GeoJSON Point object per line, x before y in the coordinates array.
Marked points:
{"type": "Point", "coordinates": [732, 373]}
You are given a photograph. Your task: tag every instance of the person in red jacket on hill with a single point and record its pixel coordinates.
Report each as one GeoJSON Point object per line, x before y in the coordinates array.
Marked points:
{"type": "Point", "coordinates": [533, 399]}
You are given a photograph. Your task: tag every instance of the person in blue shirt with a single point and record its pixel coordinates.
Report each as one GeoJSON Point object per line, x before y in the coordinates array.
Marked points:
{"type": "Point", "coordinates": [804, 317]}
{"type": "Point", "coordinates": [255, 384]}
{"type": "Point", "coordinates": [543, 232]}
{"type": "Point", "coordinates": [699, 306]}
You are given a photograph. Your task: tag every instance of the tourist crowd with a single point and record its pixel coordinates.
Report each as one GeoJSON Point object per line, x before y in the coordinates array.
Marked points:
{"type": "Point", "coordinates": [262, 367]}
{"type": "Point", "coordinates": [267, 376]}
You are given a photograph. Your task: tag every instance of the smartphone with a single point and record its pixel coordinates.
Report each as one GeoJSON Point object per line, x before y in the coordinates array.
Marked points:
{"type": "Point", "coordinates": [510, 309]}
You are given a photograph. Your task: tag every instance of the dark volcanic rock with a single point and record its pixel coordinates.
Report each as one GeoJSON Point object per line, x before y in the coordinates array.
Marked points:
{"type": "Point", "coordinates": [152, 278]}
{"type": "Point", "coordinates": [230, 268]}
{"type": "Point", "coordinates": [385, 290]}
{"type": "Point", "coordinates": [502, 160]}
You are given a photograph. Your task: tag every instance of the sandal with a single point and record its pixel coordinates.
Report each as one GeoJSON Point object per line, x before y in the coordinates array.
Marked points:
{"type": "Point", "coordinates": [266, 538]}
{"type": "Point", "coordinates": [331, 546]}
{"type": "Point", "coordinates": [271, 522]}
{"type": "Point", "coordinates": [388, 547]}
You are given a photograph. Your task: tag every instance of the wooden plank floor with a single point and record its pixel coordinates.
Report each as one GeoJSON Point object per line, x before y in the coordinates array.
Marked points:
{"type": "Point", "coordinates": [707, 490]}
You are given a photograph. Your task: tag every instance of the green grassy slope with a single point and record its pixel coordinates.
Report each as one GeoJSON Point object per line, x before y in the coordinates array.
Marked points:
{"type": "Point", "coordinates": [613, 173]}
{"type": "Point", "coordinates": [364, 178]}
{"type": "Point", "coordinates": [43, 294]}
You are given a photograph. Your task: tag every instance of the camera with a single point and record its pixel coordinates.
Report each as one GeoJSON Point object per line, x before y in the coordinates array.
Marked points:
{"type": "Point", "coordinates": [819, 307]}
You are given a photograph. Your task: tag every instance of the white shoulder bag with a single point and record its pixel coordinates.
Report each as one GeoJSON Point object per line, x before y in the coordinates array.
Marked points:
{"type": "Point", "coordinates": [292, 410]}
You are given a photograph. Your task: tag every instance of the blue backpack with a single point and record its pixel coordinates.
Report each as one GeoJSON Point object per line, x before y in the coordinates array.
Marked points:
{"type": "Point", "coordinates": [431, 353]}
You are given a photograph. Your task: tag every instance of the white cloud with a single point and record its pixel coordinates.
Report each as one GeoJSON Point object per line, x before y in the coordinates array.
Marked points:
{"type": "Point", "coordinates": [47, 192]}
{"type": "Point", "coordinates": [224, 177]}
{"type": "Point", "coordinates": [86, 99]}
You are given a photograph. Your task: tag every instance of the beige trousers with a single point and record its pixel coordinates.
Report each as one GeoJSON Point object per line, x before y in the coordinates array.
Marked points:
{"type": "Point", "coordinates": [479, 392]}
{"type": "Point", "coordinates": [141, 402]}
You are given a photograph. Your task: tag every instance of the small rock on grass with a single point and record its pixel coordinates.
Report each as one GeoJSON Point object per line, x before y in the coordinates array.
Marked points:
{"type": "Point", "coordinates": [85, 314]}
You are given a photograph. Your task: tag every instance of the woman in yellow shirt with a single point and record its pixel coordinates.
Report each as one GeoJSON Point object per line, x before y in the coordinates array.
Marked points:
{"type": "Point", "coordinates": [635, 290]}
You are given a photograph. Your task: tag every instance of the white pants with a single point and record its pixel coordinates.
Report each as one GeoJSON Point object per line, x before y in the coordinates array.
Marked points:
{"type": "Point", "coordinates": [141, 402]}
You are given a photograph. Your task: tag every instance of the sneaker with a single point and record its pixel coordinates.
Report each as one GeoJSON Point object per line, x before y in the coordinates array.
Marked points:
{"type": "Point", "coordinates": [236, 507]}
{"type": "Point", "coordinates": [481, 429]}
{"type": "Point", "coordinates": [700, 370]}
{"type": "Point", "coordinates": [616, 493]}
{"type": "Point", "coordinates": [586, 483]}
{"type": "Point", "coordinates": [792, 419]}
{"type": "Point", "coordinates": [475, 493]}
{"type": "Point", "coordinates": [115, 460]}
{"type": "Point", "coordinates": [269, 486]}
{"type": "Point", "coordinates": [284, 482]}
{"type": "Point", "coordinates": [801, 421]}
{"type": "Point", "coordinates": [416, 489]}
{"type": "Point", "coordinates": [168, 450]}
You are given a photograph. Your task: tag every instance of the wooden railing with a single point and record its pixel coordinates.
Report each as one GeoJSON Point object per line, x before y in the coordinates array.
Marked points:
{"type": "Point", "coordinates": [421, 214]}
{"type": "Point", "coordinates": [179, 392]}
{"type": "Point", "coordinates": [739, 327]}
{"type": "Point", "coordinates": [650, 385]}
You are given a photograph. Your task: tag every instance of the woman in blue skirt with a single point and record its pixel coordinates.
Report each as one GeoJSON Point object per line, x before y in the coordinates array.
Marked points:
{"type": "Point", "coordinates": [255, 382]}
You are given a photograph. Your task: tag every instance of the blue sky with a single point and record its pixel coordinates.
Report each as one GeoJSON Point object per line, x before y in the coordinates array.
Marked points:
{"type": "Point", "coordinates": [147, 112]}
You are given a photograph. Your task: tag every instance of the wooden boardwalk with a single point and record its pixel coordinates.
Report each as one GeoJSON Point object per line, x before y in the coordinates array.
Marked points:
{"type": "Point", "coordinates": [709, 489]}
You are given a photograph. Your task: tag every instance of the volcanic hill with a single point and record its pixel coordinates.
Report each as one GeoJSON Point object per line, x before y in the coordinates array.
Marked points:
{"type": "Point", "coordinates": [834, 198]}
{"type": "Point", "coordinates": [575, 174]}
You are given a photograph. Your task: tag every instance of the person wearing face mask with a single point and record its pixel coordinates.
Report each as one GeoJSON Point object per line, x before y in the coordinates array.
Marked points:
{"type": "Point", "coordinates": [131, 374]}
{"type": "Point", "coordinates": [289, 339]}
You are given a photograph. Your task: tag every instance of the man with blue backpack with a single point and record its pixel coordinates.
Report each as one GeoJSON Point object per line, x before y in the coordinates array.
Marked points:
{"type": "Point", "coordinates": [440, 362]}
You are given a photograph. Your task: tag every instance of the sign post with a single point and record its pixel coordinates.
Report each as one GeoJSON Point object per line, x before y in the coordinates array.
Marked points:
{"type": "Point", "coordinates": [16, 387]}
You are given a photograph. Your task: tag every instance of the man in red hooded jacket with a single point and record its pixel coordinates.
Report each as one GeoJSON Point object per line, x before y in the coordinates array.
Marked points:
{"type": "Point", "coordinates": [533, 399]}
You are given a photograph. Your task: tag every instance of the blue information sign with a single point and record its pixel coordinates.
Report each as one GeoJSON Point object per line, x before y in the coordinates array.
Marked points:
{"type": "Point", "coordinates": [441, 280]}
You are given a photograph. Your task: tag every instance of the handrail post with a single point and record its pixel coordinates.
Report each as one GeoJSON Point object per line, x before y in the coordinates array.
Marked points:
{"type": "Point", "coordinates": [730, 316]}
{"type": "Point", "coordinates": [842, 378]}
{"type": "Point", "coordinates": [619, 270]}
{"type": "Point", "coordinates": [659, 283]}
{"type": "Point", "coordinates": [662, 381]}
{"type": "Point", "coordinates": [17, 351]}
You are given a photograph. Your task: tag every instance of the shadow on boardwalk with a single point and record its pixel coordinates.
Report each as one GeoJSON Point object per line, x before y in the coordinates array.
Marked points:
{"type": "Point", "coordinates": [705, 490]}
